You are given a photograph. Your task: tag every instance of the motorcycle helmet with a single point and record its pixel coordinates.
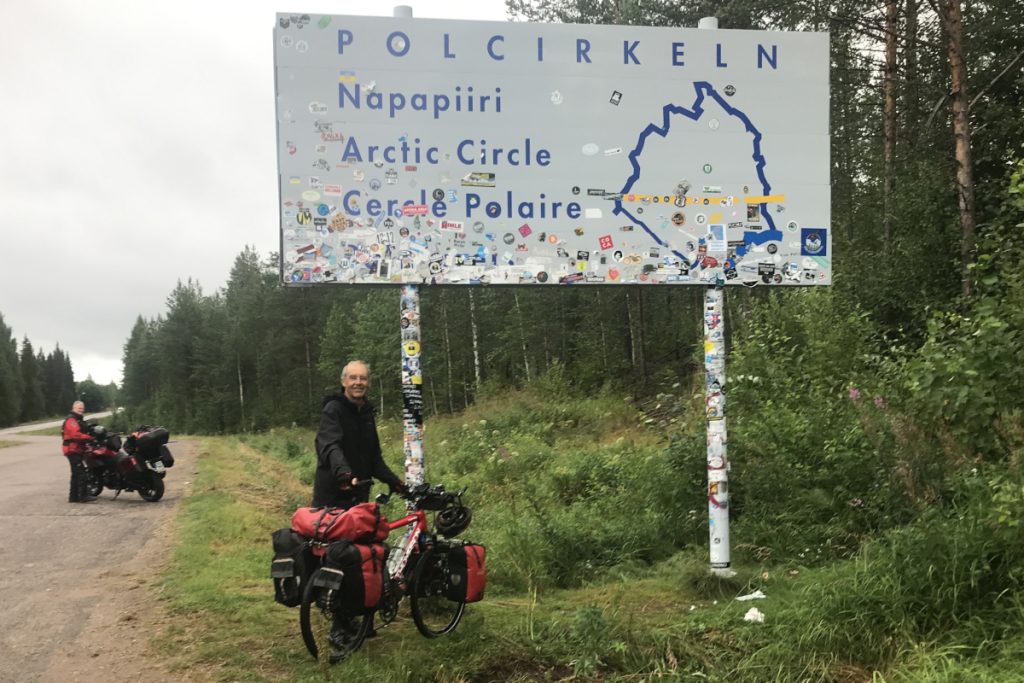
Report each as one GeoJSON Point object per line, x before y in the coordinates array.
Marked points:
{"type": "Point", "coordinates": [453, 521]}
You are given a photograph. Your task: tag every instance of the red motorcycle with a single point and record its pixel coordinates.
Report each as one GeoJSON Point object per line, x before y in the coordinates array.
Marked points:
{"type": "Point", "coordinates": [139, 463]}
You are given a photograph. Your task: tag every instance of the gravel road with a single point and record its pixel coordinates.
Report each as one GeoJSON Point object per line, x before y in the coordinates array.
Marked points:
{"type": "Point", "coordinates": [76, 601]}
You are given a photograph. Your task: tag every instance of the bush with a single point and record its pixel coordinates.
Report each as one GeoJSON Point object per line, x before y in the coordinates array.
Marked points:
{"type": "Point", "coordinates": [953, 577]}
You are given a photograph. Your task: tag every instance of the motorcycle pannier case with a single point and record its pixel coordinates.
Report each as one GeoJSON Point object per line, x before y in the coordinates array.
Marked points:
{"type": "Point", "coordinates": [467, 573]}
{"type": "Point", "coordinates": [148, 443]}
{"type": "Point", "coordinates": [363, 568]}
{"type": "Point", "coordinates": [361, 523]}
{"type": "Point", "coordinates": [291, 567]}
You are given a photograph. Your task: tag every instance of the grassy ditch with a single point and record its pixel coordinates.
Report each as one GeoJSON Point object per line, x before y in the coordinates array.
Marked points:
{"type": "Point", "coordinates": [582, 511]}
{"type": "Point", "coordinates": [224, 619]}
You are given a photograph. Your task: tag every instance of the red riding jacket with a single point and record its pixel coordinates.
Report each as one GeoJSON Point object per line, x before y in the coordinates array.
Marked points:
{"type": "Point", "coordinates": [75, 436]}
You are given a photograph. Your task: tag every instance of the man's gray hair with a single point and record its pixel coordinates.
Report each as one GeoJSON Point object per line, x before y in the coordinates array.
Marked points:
{"type": "Point", "coordinates": [344, 370]}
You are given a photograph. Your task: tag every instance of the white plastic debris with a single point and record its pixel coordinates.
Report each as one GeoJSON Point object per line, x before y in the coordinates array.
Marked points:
{"type": "Point", "coordinates": [756, 595]}
{"type": "Point", "coordinates": [754, 615]}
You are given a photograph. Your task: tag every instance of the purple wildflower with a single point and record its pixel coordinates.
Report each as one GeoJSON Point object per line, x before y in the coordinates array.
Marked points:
{"type": "Point", "coordinates": [854, 393]}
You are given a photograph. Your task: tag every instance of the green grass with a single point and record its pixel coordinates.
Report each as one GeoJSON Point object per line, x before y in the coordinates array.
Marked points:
{"type": "Point", "coordinates": [8, 444]}
{"type": "Point", "coordinates": [598, 569]}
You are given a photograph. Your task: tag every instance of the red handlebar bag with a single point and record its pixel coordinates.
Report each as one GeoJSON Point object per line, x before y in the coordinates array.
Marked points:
{"type": "Point", "coordinates": [361, 523]}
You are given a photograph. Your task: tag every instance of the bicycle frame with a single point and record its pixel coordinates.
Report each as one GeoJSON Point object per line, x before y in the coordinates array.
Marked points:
{"type": "Point", "coordinates": [416, 524]}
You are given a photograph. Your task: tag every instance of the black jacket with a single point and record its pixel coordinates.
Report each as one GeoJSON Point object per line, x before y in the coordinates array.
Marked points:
{"type": "Point", "coordinates": [346, 447]}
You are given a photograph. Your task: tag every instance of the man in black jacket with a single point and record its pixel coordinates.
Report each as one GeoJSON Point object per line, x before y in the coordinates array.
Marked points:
{"type": "Point", "coordinates": [347, 447]}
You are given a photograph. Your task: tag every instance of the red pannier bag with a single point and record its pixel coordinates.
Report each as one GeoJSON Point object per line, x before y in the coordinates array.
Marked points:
{"type": "Point", "coordinates": [467, 573]}
{"type": "Point", "coordinates": [362, 566]}
{"type": "Point", "coordinates": [361, 523]}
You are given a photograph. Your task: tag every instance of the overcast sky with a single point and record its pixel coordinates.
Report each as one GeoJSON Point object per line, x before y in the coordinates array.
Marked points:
{"type": "Point", "coordinates": [138, 148]}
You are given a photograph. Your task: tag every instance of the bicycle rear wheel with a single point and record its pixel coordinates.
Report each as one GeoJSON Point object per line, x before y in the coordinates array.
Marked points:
{"type": "Point", "coordinates": [327, 631]}
{"type": "Point", "coordinates": [432, 611]}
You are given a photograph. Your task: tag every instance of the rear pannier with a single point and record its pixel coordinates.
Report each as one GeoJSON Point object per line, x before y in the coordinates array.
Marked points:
{"type": "Point", "coordinates": [148, 442]}
{"type": "Point", "coordinates": [291, 567]}
{"type": "Point", "coordinates": [362, 567]}
{"type": "Point", "coordinates": [467, 573]}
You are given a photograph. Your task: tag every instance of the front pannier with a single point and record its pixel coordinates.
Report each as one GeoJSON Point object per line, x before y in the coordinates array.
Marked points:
{"type": "Point", "coordinates": [467, 573]}
{"type": "Point", "coordinates": [291, 567]}
{"type": "Point", "coordinates": [363, 568]}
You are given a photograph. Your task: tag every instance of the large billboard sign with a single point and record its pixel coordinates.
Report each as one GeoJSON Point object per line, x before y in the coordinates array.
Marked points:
{"type": "Point", "coordinates": [430, 151]}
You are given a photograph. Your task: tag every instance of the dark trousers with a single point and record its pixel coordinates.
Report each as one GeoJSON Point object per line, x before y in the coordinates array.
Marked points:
{"type": "Point", "coordinates": [77, 492]}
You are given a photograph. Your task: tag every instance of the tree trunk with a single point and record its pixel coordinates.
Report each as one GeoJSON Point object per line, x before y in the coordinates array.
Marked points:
{"type": "Point", "coordinates": [241, 391]}
{"type": "Point", "coordinates": [563, 333]}
{"type": "Point", "coordinates": [889, 117]}
{"type": "Point", "coordinates": [309, 376]}
{"type": "Point", "coordinates": [911, 89]}
{"type": "Point", "coordinates": [641, 350]}
{"type": "Point", "coordinates": [952, 22]}
{"type": "Point", "coordinates": [522, 335]}
{"type": "Point", "coordinates": [604, 338]}
{"type": "Point", "coordinates": [630, 330]}
{"type": "Point", "coordinates": [447, 351]}
{"type": "Point", "coordinates": [309, 359]}
{"type": "Point", "coordinates": [476, 345]}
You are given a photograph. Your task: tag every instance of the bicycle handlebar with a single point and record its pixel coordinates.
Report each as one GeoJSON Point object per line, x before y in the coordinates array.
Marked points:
{"type": "Point", "coordinates": [422, 495]}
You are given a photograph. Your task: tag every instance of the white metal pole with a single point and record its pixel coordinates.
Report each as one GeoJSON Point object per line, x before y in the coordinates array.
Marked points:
{"type": "Point", "coordinates": [717, 455]}
{"type": "Point", "coordinates": [412, 384]}
{"type": "Point", "coordinates": [412, 367]}
{"type": "Point", "coordinates": [714, 393]}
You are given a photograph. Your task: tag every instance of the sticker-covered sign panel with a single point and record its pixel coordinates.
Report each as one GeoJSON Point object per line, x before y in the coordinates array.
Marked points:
{"type": "Point", "coordinates": [430, 151]}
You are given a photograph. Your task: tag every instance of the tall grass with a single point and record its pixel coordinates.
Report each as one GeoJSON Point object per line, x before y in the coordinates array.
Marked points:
{"type": "Point", "coordinates": [598, 567]}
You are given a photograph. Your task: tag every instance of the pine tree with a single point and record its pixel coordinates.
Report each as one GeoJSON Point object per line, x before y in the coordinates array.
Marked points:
{"type": "Point", "coordinates": [32, 404]}
{"type": "Point", "coordinates": [10, 377]}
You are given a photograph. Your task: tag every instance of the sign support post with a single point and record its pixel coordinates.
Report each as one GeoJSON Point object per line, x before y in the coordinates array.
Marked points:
{"type": "Point", "coordinates": [714, 396]}
{"type": "Point", "coordinates": [717, 457]}
{"type": "Point", "coordinates": [412, 373]}
{"type": "Point", "coordinates": [412, 383]}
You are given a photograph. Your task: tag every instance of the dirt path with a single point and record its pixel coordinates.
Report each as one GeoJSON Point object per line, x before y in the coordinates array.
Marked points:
{"type": "Point", "coordinates": [77, 600]}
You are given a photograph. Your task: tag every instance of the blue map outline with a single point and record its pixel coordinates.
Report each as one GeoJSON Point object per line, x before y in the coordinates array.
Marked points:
{"type": "Point", "coordinates": [702, 88]}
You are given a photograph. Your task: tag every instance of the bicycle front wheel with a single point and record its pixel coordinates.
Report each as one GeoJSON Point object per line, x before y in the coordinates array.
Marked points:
{"type": "Point", "coordinates": [432, 611]}
{"type": "Point", "coordinates": [329, 634]}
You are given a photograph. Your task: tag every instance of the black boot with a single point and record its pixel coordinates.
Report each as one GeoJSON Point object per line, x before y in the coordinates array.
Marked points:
{"type": "Point", "coordinates": [77, 488]}
{"type": "Point", "coordinates": [83, 481]}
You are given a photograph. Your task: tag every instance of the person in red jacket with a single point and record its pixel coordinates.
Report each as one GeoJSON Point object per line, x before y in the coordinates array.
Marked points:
{"type": "Point", "coordinates": [76, 437]}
